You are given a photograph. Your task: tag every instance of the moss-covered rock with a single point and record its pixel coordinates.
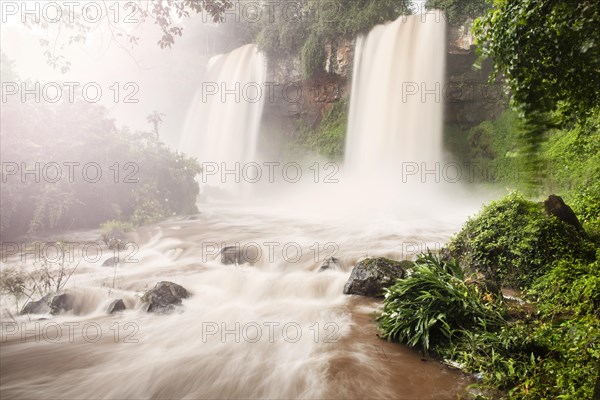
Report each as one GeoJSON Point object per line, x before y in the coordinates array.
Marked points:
{"type": "Point", "coordinates": [513, 241]}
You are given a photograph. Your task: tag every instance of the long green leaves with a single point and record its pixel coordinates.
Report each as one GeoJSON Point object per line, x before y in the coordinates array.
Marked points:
{"type": "Point", "coordinates": [433, 304]}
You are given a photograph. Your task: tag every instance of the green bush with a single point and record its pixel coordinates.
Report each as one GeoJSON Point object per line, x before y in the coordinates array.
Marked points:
{"type": "Point", "coordinates": [493, 148]}
{"type": "Point", "coordinates": [434, 305]}
{"type": "Point", "coordinates": [328, 139]}
{"type": "Point", "coordinates": [535, 356]}
{"type": "Point", "coordinates": [313, 56]}
{"type": "Point", "coordinates": [570, 287]}
{"type": "Point", "coordinates": [512, 241]}
{"type": "Point", "coordinates": [142, 180]}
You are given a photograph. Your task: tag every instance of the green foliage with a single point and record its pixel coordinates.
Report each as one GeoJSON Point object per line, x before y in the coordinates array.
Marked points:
{"type": "Point", "coordinates": [534, 357]}
{"type": "Point", "coordinates": [141, 179]}
{"type": "Point", "coordinates": [512, 241]}
{"type": "Point", "coordinates": [329, 137]}
{"type": "Point", "coordinates": [434, 305]}
{"type": "Point", "coordinates": [306, 30]}
{"type": "Point", "coordinates": [116, 224]}
{"type": "Point", "coordinates": [493, 148]}
{"type": "Point", "coordinates": [46, 277]}
{"type": "Point", "coordinates": [313, 56]}
{"type": "Point", "coordinates": [548, 52]}
{"type": "Point", "coordinates": [460, 11]}
{"type": "Point", "coordinates": [570, 287]}
{"type": "Point", "coordinates": [573, 159]}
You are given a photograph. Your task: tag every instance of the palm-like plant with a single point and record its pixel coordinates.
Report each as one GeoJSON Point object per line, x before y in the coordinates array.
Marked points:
{"type": "Point", "coordinates": [434, 304]}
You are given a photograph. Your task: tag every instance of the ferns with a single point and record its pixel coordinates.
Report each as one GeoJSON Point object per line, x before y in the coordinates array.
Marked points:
{"type": "Point", "coordinates": [434, 305]}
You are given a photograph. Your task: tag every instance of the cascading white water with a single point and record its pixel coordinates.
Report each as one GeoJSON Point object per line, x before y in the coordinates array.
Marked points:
{"type": "Point", "coordinates": [259, 331]}
{"type": "Point", "coordinates": [396, 107]}
{"type": "Point", "coordinates": [223, 122]}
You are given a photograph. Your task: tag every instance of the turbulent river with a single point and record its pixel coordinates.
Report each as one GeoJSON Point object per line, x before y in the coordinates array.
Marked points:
{"type": "Point", "coordinates": [278, 329]}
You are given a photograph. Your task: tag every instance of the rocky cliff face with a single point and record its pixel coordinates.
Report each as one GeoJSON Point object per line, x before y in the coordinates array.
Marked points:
{"type": "Point", "coordinates": [469, 98]}
{"type": "Point", "coordinates": [295, 101]}
{"type": "Point", "coordinates": [300, 102]}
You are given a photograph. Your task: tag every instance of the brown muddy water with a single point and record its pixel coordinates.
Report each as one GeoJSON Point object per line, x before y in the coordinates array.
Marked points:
{"type": "Point", "coordinates": [277, 329]}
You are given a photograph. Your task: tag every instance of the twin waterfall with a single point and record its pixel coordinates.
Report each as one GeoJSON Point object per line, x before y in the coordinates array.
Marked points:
{"type": "Point", "coordinates": [224, 120]}
{"type": "Point", "coordinates": [396, 106]}
{"type": "Point", "coordinates": [395, 113]}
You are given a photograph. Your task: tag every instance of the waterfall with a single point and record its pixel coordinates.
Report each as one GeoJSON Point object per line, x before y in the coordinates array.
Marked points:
{"type": "Point", "coordinates": [224, 119]}
{"type": "Point", "coordinates": [396, 107]}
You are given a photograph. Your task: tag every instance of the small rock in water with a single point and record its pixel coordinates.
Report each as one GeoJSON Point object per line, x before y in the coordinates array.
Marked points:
{"type": "Point", "coordinates": [61, 303]}
{"type": "Point", "coordinates": [111, 262]}
{"type": "Point", "coordinates": [330, 263]}
{"type": "Point", "coordinates": [239, 255]}
{"type": "Point", "coordinates": [116, 306]}
{"type": "Point", "coordinates": [42, 306]}
{"type": "Point", "coordinates": [370, 276]}
{"type": "Point", "coordinates": [164, 297]}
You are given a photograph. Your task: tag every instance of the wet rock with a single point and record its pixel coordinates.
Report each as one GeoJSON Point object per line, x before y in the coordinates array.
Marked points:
{"type": "Point", "coordinates": [42, 306]}
{"type": "Point", "coordinates": [111, 262]}
{"type": "Point", "coordinates": [239, 255]}
{"type": "Point", "coordinates": [61, 303]}
{"type": "Point", "coordinates": [370, 276]}
{"type": "Point", "coordinates": [554, 205]}
{"type": "Point", "coordinates": [330, 263]}
{"type": "Point", "coordinates": [116, 306]}
{"type": "Point", "coordinates": [164, 297]}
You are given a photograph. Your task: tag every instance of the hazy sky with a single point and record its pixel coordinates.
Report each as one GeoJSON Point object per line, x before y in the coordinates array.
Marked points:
{"type": "Point", "coordinates": [159, 79]}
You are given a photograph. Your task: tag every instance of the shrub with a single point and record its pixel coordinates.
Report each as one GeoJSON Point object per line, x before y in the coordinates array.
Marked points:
{"type": "Point", "coordinates": [313, 56]}
{"type": "Point", "coordinates": [512, 241]}
{"type": "Point", "coordinates": [570, 287]}
{"type": "Point", "coordinates": [434, 305]}
{"type": "Point", "coordinates": [329, 138]}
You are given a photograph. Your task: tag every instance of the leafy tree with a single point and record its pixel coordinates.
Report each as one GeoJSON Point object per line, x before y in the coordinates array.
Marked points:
{"type": "Point", "coordinates": [460, 11]}
{"type": "Point", "coordinates": [155, 119]}
{"type": "Point", "coordinates": [166, 15]}
{"type": "Point", "coordinates": [548, 52]}
{"type": "Point", "coordinates": [141, 179]}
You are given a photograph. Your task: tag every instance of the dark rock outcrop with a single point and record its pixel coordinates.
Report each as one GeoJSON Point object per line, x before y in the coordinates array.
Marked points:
{"type": "Point", "coordinates": [370, 276]}
{"type": "Point", "coordinates": [239, 255]}
{"type": "Point", "coordinates": [164, 297]}
{"type": "Point", "coordinates": [42, 306]}
{"type": "Point", "coordinates": [330, 263]}
{"type": "Point", "coordinates": [61, 303]}
{"type": "Point", "coordinates": [116, 306]}
{"type": "Point", "coordinates": [554, 205]}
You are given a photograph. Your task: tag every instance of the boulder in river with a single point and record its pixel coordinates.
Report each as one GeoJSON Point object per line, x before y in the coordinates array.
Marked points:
{"type": "Point", "coordinates": [61, 303]}
{"type": "Point", "coordinates": [116, 306]}
{"type": "Point", "coordinates": [331, 263]}
{"type": "Point", "coordinates": [239, 254]}
{"type": "Point", "coordinates": [370, 276]}
{"type": "Point", "coordinates": [164, 297]}
{"type": "Point", "coordinates": [42, 306]}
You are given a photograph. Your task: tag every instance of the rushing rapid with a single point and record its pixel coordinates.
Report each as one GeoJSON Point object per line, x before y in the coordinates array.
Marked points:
{"type": "Point", "coordinates": [277, 329]}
